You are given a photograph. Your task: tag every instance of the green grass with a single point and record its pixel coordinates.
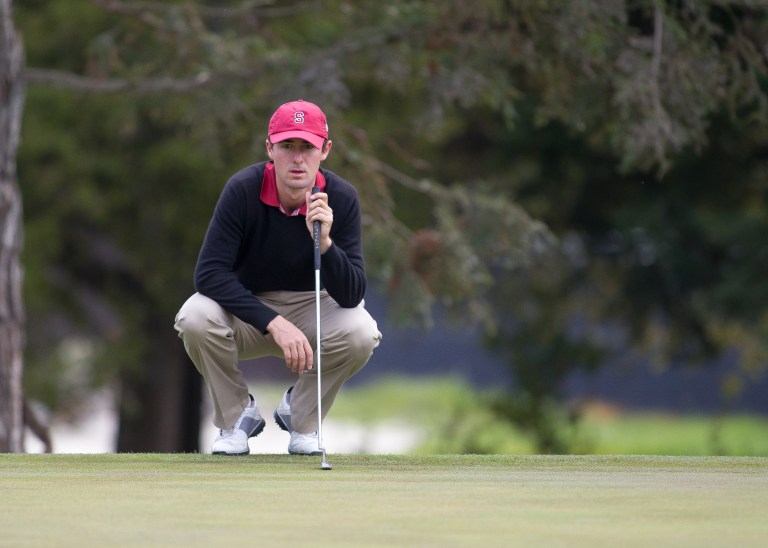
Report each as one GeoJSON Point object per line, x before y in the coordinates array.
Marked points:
{"type": "Point", "coordinates": [454, 419]}
{"type": "Point", "coordinates": [663, 434]}
{"type": "Point", "coordinates": [461, 500]}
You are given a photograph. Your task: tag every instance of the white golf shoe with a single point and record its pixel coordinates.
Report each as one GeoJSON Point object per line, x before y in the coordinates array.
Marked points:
{"type": "Point", "coordinates": [234, 441]}
{"type": "Point", "coordinates": [283, 412]}
{"type": "Point", "coordinates": [304, 444]}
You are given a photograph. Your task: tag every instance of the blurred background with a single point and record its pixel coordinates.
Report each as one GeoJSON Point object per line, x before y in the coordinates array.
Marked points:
{"type": "Point", "coordinates": [565, 224]}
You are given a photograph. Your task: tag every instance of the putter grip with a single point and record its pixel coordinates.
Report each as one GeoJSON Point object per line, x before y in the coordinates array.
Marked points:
{"type": "Point", "coordinates": [316, 234]}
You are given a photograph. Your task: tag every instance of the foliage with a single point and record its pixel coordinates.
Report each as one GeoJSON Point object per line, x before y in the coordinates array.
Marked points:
{"type": "Point", "coordinates": [583, 178]}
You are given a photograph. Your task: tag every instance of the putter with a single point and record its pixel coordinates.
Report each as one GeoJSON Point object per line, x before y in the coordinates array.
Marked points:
{"type": "Point", "coordinates": [325, 465]}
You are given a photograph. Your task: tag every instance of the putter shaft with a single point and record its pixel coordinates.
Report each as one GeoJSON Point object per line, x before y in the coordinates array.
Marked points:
{"type": "Point", "coordinates": [318, 354]}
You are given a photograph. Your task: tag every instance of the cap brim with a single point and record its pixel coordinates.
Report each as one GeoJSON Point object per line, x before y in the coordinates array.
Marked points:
{"type": "Point", "coordinates": [315, 140]}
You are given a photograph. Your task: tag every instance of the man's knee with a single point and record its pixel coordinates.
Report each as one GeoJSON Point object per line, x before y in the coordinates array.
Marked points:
{"type": "Point", "coordinates": [195, 316]}
{"type": "Point", "coordinates": [361, 337]}
{"type": "Point", "coordinates": [364, 339]}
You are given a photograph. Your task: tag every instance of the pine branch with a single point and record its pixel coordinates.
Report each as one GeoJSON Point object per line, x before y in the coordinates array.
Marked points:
{"type": "Point", "coordinates": [76, 82]}
{"type": "Point", "coordinates": [261, 8]}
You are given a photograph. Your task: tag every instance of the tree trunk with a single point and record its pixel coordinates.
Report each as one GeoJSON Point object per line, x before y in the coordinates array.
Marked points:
{"type": "Point", "coordinates": [11, 307]}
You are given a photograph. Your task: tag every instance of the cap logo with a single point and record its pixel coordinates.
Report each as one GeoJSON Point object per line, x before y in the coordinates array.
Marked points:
{"type": "Point", "coordinates": [298, 117]}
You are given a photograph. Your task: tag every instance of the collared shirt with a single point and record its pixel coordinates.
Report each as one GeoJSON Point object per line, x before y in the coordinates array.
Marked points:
{"type": "Point", "coordinates": [252, 248]}
{"type": "Point", "coordinates": [269, 191]}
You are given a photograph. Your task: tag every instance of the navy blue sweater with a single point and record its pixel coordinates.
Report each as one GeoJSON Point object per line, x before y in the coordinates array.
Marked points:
{"type": "Point", "coordinates": [251, 247]}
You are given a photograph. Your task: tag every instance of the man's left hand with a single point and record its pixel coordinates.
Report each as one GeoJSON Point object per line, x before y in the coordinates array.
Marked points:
{"type": "Point", "coordinates": [319, 210]}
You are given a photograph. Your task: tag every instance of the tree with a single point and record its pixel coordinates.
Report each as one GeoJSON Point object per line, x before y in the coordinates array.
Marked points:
{"type": "Point", "coordinates": [11, 306]}
{"type": "Point", "coordinates": [617, 103]}
{"type": "Point", "coordinates": [439, 101]}
{"type": "Point", "coordinates": [96, 260]}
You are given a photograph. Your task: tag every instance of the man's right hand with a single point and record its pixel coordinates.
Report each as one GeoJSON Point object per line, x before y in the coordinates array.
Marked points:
{"type": "Point", "coordinates": [295, 345]}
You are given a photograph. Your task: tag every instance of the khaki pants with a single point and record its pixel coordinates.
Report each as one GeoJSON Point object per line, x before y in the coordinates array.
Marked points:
{"type": "Point", "coordinates": [216, 341]}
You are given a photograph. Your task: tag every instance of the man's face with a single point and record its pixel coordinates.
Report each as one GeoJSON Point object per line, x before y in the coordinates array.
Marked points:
{"type": "Point", "coordinates": [296, 162]}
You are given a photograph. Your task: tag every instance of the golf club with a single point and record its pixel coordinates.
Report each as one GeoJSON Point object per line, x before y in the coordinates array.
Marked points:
{"type": "Point", "coordinates": [318, 361]}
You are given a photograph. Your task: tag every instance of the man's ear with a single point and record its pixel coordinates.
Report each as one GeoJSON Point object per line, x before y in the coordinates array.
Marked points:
{"type": "Point", "coordinates": [269, 148]}
{"type": "Point", "coordinates": [327, 149]}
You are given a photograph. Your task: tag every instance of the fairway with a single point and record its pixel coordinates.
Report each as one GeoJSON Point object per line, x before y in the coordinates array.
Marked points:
{"type": "Point", "coordinates": [466, 500]}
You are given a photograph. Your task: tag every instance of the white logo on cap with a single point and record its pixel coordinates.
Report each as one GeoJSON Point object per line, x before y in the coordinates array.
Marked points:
{"type": "Point", "coordinates": [298, 117]}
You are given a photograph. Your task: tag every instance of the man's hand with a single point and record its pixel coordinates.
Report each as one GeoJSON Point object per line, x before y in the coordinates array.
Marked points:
{"type": "Point", "coordinates": [296, 347]}
{"type": "Point", "coordinates": [319, 210]}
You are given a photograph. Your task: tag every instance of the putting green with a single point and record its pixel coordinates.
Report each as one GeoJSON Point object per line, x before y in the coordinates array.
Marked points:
{"type": "Point", "coordinates": [462, 500]}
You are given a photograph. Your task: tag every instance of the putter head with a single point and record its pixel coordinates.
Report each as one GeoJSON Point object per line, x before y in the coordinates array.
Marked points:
{"type": "Point", "coordinates": [325, 465]}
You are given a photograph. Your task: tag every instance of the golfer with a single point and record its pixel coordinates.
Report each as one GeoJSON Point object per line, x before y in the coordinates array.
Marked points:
{"type": "Point", "coordinates": [255, 285]}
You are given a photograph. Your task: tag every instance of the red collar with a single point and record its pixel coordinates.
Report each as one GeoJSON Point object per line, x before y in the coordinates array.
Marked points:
{"type": "Point", "coordinates": [269, 190]}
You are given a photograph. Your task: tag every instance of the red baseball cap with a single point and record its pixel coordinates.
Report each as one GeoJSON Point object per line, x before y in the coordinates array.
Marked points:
{"type": "Point", "coordinates": [299, 120]}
